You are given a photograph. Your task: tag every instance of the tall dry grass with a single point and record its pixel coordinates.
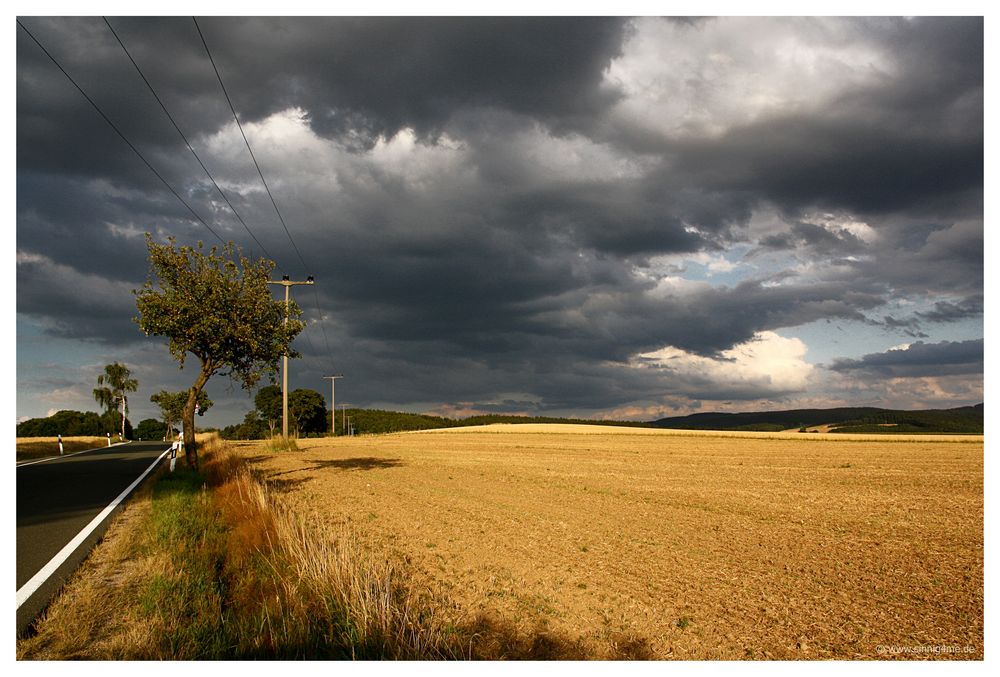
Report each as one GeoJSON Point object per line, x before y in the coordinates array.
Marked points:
{"type": "Point", "coordinates": [330, 592]}
{"type": "Point", "coordinates": [212, 564]}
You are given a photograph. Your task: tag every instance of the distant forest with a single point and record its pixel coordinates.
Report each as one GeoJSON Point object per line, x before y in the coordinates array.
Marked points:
{"type": "Point", "coordinates": [69, 423]}
{"type": "Point", "coordinates": [968, 420]}
{"type": "Point", "coordinates": [845, 420]}
{"type": "Point", "coordinates": [378, 421]}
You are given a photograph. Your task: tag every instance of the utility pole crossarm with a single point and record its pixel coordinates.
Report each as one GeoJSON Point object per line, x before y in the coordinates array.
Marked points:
{"type": "Point", "coordinates": [286, 283]}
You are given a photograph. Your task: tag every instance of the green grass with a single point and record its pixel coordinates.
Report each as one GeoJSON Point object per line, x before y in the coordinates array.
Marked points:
{"type": "Point", "coordinates": [231, 591]}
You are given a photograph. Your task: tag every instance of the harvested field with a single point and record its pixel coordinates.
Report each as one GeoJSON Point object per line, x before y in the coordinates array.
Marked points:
{"type": "Point", "coordinates": [667, 544]}
{"type": "Point", "coordinates": [43, 447]}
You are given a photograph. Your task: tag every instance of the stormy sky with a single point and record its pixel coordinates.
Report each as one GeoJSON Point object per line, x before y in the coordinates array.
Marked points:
{"type": "Point", "coordinates": [596, 217]}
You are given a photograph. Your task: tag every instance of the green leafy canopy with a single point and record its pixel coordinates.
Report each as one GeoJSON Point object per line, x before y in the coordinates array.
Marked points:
{"type": "Point", "coordinates": [218, 307]}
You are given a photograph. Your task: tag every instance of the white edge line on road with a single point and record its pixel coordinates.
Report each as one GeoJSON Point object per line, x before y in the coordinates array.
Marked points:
{"type": "Point", "coordinates": [29, 588]}
{"type": "Point", "coordinates": [52, 458]}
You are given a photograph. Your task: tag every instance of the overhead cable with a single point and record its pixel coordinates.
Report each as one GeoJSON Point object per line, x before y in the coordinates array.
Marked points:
{"type": "Point", "coordinates": [262, 179]}
{"type": "Point", "coordinates": [186, 142]}
{"type": "Point", "coordinates": [120, 133]}
{"type": "Point", "coordinates": [252, 156]}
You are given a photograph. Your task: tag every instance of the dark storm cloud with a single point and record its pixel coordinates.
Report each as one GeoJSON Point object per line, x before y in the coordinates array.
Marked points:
{"type": "Point", "coordinates": [60, 131]}
{"type": "Point", "coordinates": [950, 260]}
{"type": "Point", "coordinates": [946, 358]}
{"type": "Point", "coordinates": [375, 76]}
{"type": "Point", "coordinates": [542, 312]}
{"type": "Point", "coordinates": [861, 165]}
{"type": "Point", "coordinates": [945, 311]}
{"type": "Point", "coordinates": [62, 218]}
{"type": "Point", "coordinates": [821, 240]}
{"type": "Point", "coordinates": [507, 258]}
{"type": "Point", "coordinates": [910, 142]}
{"type": "Point", "coordinates": [74, 305]}
{"type": "Point", "coordinates": [909, 326]}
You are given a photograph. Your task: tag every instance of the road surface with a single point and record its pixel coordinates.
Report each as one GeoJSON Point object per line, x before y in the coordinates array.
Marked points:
{"type": "Point", "coordinates": [58, 499]}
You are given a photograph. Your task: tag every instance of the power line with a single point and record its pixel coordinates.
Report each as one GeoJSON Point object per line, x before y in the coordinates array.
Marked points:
{"type": "Point", "coordinates": [238, 124]}
{"type": "Point", "coordinates": [262, 179]}
{"type": "Point", "coordinates": [119, 132]}
{"type": "Point", "coordinates": [186, 142]}
{"type": "Point", "coordinates": [322, 322]}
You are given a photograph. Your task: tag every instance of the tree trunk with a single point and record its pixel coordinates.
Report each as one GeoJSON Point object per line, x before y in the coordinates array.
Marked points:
{"type": "Point", "coordinates": [190, 446]}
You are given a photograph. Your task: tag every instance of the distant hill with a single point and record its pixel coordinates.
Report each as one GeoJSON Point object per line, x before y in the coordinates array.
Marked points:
{"type": "Point", "coordinates": [852, 419]}
{"type": "Point", "coordinates": [967, 420]}
{"type": "Point", "coordinates": [377, 421]}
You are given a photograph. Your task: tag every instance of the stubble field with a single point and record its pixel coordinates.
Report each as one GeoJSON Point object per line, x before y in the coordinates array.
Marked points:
{"type": "Point", "coordinates": [44, 447]}
{"type": "Point", "coordinates": [655, 544]}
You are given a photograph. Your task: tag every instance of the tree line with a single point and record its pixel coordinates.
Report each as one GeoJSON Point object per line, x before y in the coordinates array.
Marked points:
{"type": "Point", "coordinates": [374, 421]}
{"type": "Point", "coordinates": [307, 414]}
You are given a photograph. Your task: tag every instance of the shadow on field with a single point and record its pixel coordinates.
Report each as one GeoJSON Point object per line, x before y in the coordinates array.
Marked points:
{"type": "Point", "coordinates": [359, 463]}
{"type": "Point", "coordinates": [283, 486]}
{"type": "Point", "coordinates": [497, 639]}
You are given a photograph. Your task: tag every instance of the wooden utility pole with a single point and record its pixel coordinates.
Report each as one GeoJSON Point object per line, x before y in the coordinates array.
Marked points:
{"type": "Point", "coordinates": [286, 283]}
{"type": "Point", "coordinates": [333, 401]}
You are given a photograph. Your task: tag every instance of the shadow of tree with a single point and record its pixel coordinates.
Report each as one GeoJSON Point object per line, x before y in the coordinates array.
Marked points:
{"type": "Point", "coordinates": [490, 638]}
{"type": "Point", "coordinates": [283, 486]}
{"type": "Point", "coordinates": [358, 463]}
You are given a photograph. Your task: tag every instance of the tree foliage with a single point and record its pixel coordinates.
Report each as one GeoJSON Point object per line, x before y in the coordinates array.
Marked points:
{"type": "Point", "coordinates": [171, 405]}
{"type": "Point", "coordinates": [150, 429]}
{"type": "Point", "coordinates": [307, 411]}
{"type": "Point", "coordinates": [112, 386]}
{"type": "Point", "coordinates": [268, 403]}
{"type": "Point", "coordinates": [218, 307]}
{"type": "Point", "coordinates": [69, 423]}
{"type": "Point", "coordinates": [252, 428]}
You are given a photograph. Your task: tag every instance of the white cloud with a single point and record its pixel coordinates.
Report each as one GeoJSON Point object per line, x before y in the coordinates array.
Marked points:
{"type": "Point", "coordinates": [767, 364]}
{"type": "Point", "coordinates": [841, 223]}
{"type": "Point", "coordinates": [128, 230]}
{"type": "Point", "coordinates": [669, 264]}
{"type": "Point", "coordinates": [30, 257]}
{"type": "Point", "coordinates": [682, 80]}
{"type": "Point", "coordinates": [545, 158]}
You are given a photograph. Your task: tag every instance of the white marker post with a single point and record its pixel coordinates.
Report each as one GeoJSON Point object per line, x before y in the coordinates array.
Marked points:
{"type": "Point", "coordinates": [60, 445]}
{"type": "Point", "coordinates": [109, 439]}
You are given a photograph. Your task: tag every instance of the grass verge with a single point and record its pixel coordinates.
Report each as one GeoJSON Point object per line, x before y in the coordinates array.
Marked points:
{"type": "Point", "coordinates": [210, 567]}
{"type": "Point", "coordinates": [209, 564]}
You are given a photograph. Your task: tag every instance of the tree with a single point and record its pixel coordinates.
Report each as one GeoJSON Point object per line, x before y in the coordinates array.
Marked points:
{"type": "Point", "coordinates": [112, 386]}
{"type": "Point", "coordinates": [66, 422]}
{"type": "Point", "coordinates": [252, 428]}
{"type": "Point", "coordinates": [307, 410]}
{"type": "Point", "coordinates": [150, 429]}
{"type": "Point", "coordinates": [217, 307]}
{"type": "Point", "coordinates": [171, 406]}
{"type": "Point", "coordinates": [268, 403]}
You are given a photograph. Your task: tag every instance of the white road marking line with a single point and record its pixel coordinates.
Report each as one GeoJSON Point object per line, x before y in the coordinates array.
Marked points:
{"type": "Point", "coordinates": [29, 588]}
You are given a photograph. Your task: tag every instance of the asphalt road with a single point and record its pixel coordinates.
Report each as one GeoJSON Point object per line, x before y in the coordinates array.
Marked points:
{"type": "Point", "coordinates": [56, 500]}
